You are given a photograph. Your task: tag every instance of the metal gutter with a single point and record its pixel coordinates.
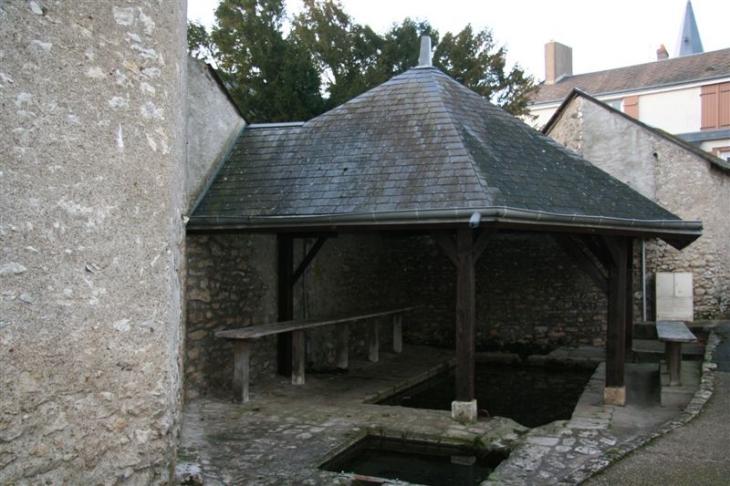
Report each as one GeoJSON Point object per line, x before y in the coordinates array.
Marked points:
{"type": "Point", "coordinates": [435, 217]}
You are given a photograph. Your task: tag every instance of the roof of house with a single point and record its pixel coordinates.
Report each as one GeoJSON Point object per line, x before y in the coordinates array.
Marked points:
{"type": "Point", "coordinates": [420, 150]}
{"type": "Point", "coordinates": [716, 162]}
{"type": "Point", "coordinates": [667, 72]}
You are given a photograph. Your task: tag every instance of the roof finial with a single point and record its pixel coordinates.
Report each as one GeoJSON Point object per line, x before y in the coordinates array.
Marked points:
{"type": "Point", "coordinates": [424, 58]}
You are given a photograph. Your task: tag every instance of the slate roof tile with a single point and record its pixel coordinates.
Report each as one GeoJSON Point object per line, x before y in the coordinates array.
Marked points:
{"type": "Point", "coordinates": [697, 67]}
{"type": "Point", "coordinates": [420, 141]}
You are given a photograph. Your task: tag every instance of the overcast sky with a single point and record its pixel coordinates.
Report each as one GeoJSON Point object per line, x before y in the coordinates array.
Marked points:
{"type": "Point", "coordinates": [603, 34]}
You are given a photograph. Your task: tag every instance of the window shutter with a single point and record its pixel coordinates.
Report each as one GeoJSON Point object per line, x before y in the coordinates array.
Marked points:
{"type": "Point", "coordinates": [631, 106]}
{"type": "Point", "coordinates": [709, 99]}
{"type": "Point", "coordinates": [723, 106]}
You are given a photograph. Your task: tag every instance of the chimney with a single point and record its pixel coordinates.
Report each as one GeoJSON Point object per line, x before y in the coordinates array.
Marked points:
{"type": "Point", "coordinates": [424, 58]}
{"type": "Point", "coordinates": [558, 62]}
{"type": "Point", "coordinates": [662, 53]}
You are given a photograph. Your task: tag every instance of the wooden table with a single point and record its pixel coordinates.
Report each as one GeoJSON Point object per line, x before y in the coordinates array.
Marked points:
{"type": "Point", "coordinates": [244, 338]}
{"type": "Point", "coordinates": [673, 334]}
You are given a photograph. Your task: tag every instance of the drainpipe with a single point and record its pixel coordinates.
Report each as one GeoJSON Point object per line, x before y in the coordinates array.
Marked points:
{"type": "Point", "coordinates": [643, 278]}
{"type": "Point", "coordinates": [305, 305]}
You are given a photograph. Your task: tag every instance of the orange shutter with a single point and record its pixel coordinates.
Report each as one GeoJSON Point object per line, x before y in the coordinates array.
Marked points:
{"type": "Point", "coordinates": [723, 106]}
{"type": "Point", "coordinates": [708, 96]}
{"type": "Point", "coordinates": [631, 106]}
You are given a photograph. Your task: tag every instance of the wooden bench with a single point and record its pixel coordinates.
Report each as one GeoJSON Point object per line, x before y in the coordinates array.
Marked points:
{"type": "Point", "coordinates": [243, 339]}
{"type": "Point", "coordinates": [673, 334]}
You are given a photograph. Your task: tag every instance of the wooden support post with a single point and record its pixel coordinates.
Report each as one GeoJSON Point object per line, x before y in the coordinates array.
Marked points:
{"type": "Point", "coordinates": [343, 341]}
{"type": "Point", "coordinates": [629, 294]}
{"type": "Point", "coordinates": [674, 363]}
{"type": "Point", "coordinates": [241, 370]}
{"type": "Point", "coordinates": [398, 333]}
{"type": "Point", "coordinates": [285, 301]}
{"type": "Point", "coordinates": [374, 342]}
{"type": "Point", "coordinates": [298, 357]}
{"type": "Point", "coordinates": [465, 316]}
{"type": "Point", "coordinates": [615, 390]}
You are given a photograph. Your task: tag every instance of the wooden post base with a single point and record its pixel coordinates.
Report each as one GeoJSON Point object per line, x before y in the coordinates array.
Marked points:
{"type": "Point", "coordinates": [398, 333]}
{"type": "Point", "coordinates": [374, 342]}
{"type": "Point", "coordinates": [298, 358]}
{"type": "Point", "coordinates": [241, 370]}
{"type": "Point", "coordinates": [614, 395]}
{"type": "Point", "coordinates": [343, 340]}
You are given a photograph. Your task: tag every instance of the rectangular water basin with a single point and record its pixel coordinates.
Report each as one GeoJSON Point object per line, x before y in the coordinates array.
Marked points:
{"type": "Point", "coordinates": [529, 395]}
{"type": "Point", "coordinates": [375, 459]}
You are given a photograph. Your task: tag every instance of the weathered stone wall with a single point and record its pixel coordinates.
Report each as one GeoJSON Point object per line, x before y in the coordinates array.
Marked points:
{"type": "Point", "coordinates": [530, 295]}
{"type": "Point", "coordinates": [231, 283]}
{"type": "Point", "coordinates": [91, 98]}
{"type": "Point", "coordinates": [350, 274]}
{"type": "Point", "coordinates": [213, 123]}
{"type": "Point", "coordinates": [679, 180]}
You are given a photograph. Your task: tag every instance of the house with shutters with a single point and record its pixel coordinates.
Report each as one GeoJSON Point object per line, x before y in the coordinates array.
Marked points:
{"type": "Point", "coordinates": [687, 95]}
{"type": "Point", "coordinates": [677, 175]}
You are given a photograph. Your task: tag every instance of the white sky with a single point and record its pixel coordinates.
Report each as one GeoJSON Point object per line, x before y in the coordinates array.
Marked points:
{"type": "Point", "coordinates": [603, 34]}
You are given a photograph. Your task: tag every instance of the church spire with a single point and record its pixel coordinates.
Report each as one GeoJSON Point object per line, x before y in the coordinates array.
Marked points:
{"type": "Point", "coordinates": [689, 35]}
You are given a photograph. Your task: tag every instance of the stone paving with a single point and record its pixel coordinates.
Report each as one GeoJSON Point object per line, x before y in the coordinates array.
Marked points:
{"type": "Point", "coordinates": [285, 432]}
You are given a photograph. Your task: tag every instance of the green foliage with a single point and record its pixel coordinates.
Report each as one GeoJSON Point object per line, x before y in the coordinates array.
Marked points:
{"type": "Point", "coordinates": [200, 45]}
{"type": "Point", "coordinates": [271, 77]}
{"type": "Point", "coordinates": [281, 71]}
{"type": "Point", "coordinates": [474, 60]}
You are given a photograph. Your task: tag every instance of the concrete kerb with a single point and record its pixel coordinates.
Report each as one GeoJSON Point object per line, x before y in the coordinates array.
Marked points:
{"type": "Point", "coordinates": [703, 394]}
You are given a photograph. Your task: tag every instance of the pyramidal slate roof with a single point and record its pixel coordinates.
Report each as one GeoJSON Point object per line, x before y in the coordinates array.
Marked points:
{"type": "Point", "coordinates": [420, 150]}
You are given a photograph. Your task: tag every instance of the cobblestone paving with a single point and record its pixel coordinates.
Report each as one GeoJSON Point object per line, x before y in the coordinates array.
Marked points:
{"type": "Point", "coordinates": [286, 432]}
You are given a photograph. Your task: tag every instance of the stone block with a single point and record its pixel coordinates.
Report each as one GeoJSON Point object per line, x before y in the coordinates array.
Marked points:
{"type": "Point", "coordinates": [464, 412]}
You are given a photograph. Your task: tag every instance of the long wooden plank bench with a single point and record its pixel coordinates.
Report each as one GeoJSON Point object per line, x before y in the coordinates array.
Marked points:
{"type": "Point", "coordinates": [673, 334]}
{"type": "Point", "coordinates": [243, 339]}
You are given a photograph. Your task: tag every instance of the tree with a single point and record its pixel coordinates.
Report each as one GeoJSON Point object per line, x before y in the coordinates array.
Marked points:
{"type": "Point", "coordinates": [474, 60]}
{"type": "Point", "coordinates": [271, 78]}
{"type": "Point", "coordinates": [200, 43]}
{"type": "Point", "coordinates": [326, 58]}
{"type": "Point", "coordinates": [345, 53]}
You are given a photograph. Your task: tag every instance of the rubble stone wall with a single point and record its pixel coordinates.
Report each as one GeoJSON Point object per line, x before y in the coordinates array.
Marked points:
{"type": "Point", "coordinates": [530, 296]}
{"type": "Point", "coordinates": [231, 283]}
{"type": "Point", "coordinates": [91, 230]}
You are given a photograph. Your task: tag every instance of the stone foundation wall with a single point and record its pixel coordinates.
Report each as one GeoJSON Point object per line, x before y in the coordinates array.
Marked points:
{"type": "Point", "coordinates": [231, 283]}
{"type": "Point", "coordinates": [92, 191]}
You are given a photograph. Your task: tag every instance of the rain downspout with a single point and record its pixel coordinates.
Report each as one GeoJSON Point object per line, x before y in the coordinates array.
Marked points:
{"type": "Point", "coordinates": [305, 305]}
{"type": "Point", "coordinates": [643, 279]}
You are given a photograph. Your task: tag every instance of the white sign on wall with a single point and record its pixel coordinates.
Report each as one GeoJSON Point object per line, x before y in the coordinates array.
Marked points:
{"type": "Point", "coordinates": [674, 300]}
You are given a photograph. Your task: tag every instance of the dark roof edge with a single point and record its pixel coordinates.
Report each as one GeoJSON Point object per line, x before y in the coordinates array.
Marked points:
{"type": "Point", "coordinates": [716, 162]}
{"type": "Point", "coordinates": [677, 232]}
{"type": "Point", "coordinates": [223, 88]}
{"type": "Point", "coordinates": [253, 126]}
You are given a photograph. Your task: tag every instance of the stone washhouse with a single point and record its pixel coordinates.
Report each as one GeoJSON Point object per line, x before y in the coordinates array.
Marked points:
{"type": "Point", "coordinates": [110, 303]}
{"type": "Point", "coordinates": [418, 192]}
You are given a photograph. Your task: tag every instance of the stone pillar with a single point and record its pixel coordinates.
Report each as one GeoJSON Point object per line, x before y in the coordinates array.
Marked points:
{"type": "Point", "coordinates": [92, 105]}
